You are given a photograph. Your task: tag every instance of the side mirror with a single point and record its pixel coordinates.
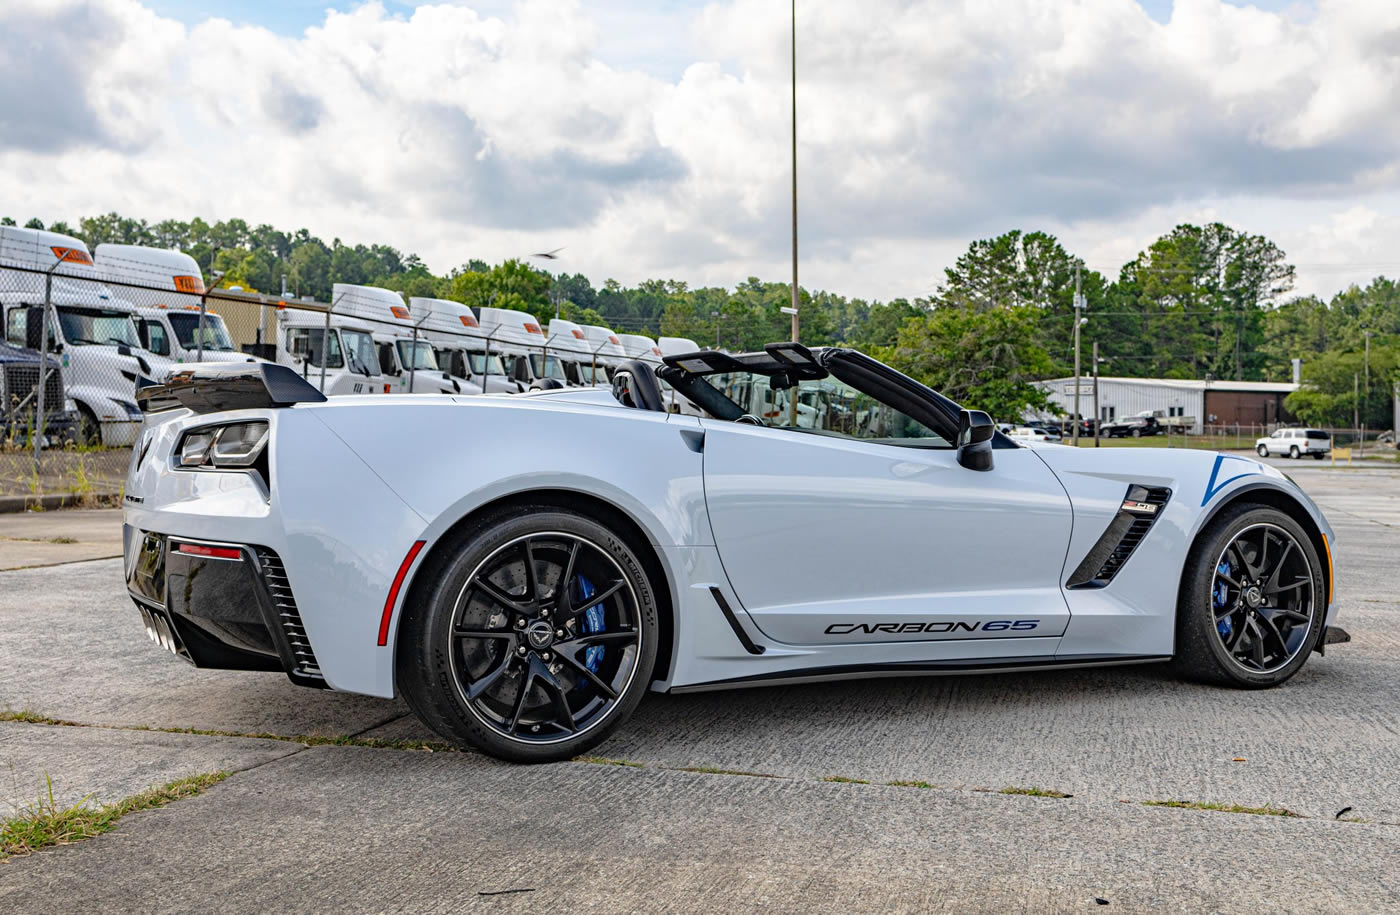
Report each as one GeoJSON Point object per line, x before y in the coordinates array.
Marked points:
{"type": "Point", "coordinates": [975, 431]}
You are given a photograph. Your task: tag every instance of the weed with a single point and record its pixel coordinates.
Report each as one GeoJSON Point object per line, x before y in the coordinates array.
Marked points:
{"type": "Point", "coordinates": [606, 761]}
{"type": "Point", "coordinates": [44, 823]}
{"type": "Point", "coordinates": [1225, 808]}
{"type": "Point", "coordinates": [1035, 792]}
{"type": "Point", "coordinates": [843, 780]}
{"type": "Point", "coordinates": [908, 784]}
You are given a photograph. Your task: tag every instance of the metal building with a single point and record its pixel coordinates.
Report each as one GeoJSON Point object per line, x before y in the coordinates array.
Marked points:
{"type": "Point", "coordinates": [1197, 403]}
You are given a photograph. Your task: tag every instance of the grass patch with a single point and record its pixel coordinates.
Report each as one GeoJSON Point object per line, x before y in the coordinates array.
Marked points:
{"type": "Point", "coordinates": [607, 761]}
{"type": "Point", "coordinates": [1035, 792]}
{"type": "Point", "coordinates": [711, 770]}
{"type": "Point", "coordinates": [908, 784]}
{"type": "Point", "coordinates": [63, 540]}
{"type": "Point", "coordinates": [310, 740]}
{"type": "Point", "coordinates": [44, 823]}
{"type": "Point", "coordinates": [1226, 808]}
{"type": "Point", "coordinates": [843, 780]}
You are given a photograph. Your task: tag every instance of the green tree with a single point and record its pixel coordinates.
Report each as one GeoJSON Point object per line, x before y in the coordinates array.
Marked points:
{"type": "Point", "coordinates": [984, 360]}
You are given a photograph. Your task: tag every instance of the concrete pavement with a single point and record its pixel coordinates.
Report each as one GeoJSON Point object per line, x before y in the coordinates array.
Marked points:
{"type": "Point", "coordinates": [47, 538]}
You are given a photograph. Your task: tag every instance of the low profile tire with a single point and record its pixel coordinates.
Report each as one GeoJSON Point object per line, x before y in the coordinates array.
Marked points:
{"type": "Point", "coordinates": [1293, 452]}
{"type": "Point", "coordinates": [1253, 600]}
{"type": "Point", "coordinates": [533, 638]}
{"type": "Point", "coordinates": [1261, 450]}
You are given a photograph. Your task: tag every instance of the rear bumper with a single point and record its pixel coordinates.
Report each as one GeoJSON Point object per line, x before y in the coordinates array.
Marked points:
{"type": "Point", "coordinates": [219, 605]}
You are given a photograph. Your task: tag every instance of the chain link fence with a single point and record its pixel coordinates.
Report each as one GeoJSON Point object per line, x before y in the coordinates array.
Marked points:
{"type": "Point", "coordinates": [83, 336]}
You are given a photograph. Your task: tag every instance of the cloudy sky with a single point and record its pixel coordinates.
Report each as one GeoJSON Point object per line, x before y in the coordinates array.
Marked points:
{"type": "Point", "coordinates": [654, 143]}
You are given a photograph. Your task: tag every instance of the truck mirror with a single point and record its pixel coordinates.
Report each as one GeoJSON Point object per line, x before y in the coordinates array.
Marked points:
{"type": "Point", "coordinates": [33, 328]}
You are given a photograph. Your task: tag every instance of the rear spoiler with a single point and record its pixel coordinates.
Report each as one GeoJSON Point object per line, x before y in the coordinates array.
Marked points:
{"type": "Point", "coordinates": [213, 387]}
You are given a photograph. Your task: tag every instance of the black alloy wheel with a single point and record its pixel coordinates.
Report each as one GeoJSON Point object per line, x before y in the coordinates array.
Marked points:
{"type": "Point", "coordinates": [1253, 601]}
{"type": "Point", "coordinates": [537, 642]}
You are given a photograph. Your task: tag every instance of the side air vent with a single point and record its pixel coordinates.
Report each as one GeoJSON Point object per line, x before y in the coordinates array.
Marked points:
{"type": "Point", "coordinates": [1140, 509]}
{"type": "Point", "coordinates": [275, 575]}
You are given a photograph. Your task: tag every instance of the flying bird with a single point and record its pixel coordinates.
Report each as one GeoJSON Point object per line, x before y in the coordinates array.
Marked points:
{"type": "Point", "coordinates": [550, 255]}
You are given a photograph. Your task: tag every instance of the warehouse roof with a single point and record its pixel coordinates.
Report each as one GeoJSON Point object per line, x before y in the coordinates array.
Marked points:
{"type": "Point", "coordinates": [1189, 384]}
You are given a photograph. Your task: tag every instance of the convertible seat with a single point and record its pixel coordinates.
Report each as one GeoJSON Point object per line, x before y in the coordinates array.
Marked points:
{"type": "Point", "coordinates": [634, 384]}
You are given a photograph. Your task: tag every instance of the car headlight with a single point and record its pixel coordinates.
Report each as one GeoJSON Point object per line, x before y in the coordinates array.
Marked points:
{"type": "Point", "coordinates": [70, 405]}
{"type": "Point", "coordinates": [231, 445]}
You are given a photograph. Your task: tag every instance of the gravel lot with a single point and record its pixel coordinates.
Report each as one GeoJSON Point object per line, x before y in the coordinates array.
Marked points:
{"type": "Point", "coordinates": [774, 799]}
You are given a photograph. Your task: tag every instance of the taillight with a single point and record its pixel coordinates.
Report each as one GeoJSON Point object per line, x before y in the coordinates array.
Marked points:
{"type": "Point", "coordinates": [211, 552]}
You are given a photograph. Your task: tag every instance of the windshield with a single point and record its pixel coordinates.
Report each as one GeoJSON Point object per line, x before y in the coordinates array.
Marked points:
{"type": "Point", "coordinates": [590, 376]}
{"type": "Point", "coordinates": [360, 353]}
{"type": "Point", "coordinates": [94, 325]}
{"type": "Point", "coordinates": [426, 361]}
{"type": "Point", "coordinates": [482, 366]}
{"type": "Point", "coordinates": [548, 367]}
{"type": "Point", "coordinates": [215, 334]}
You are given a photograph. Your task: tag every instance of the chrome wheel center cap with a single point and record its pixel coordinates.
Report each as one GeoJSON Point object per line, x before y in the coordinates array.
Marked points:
{"type": "Point", "coordinates": [1254, 597]}
{"type": "Point", "coordinates": [540, 634]}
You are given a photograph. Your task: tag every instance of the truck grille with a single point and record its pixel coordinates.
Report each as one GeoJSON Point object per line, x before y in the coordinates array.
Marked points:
{"type": "Point", "coordinates": [275, 576]}
{"type": "Point", "coordinates": [20, 384]}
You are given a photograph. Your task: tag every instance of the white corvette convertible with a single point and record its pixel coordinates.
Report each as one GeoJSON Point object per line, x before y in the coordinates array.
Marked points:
{"type": "Point", "coordinates": [521, 570]}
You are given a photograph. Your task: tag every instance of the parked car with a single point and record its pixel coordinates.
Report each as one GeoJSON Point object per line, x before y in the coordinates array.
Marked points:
{"type": "Point", "coordinates": [1137, 425]}
{"type": "Point", "coordinates": [523, 596]}
{"type": "Point", "coordinates": [1033, 434]}
{"type": "Point", "coordinates": [1295, 443]}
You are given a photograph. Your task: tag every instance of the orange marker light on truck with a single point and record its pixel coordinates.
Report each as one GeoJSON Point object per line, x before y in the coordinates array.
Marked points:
{"type": "Point", "coordinates": [393, 597]}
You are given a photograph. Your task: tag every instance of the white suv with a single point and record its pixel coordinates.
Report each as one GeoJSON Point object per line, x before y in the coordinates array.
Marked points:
{"type": "Point", "coordinates": [1295, 443]}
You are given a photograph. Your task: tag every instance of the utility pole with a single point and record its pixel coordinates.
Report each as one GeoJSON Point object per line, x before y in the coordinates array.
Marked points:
{"type": "Point", "coordinates": [1366, 395]}
{"type": "Point", "coordinates": [1355, 402]}
{"type": "Point", "coordinates": [1078, 305]}
{"type": "Point", "coordinates": [795, 317]}
{"type": "Point", "coordinates": [1096, 393]}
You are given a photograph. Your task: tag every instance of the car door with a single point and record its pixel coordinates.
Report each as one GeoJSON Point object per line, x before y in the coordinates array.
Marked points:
{"type": "Point", "coordinates": [828, 539]}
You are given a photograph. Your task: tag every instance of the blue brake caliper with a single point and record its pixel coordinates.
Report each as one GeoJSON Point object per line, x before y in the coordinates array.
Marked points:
{"type": "Point", "coordinates": [592, 622]}
{"type": "Point", "coordinates": [1221, 595]}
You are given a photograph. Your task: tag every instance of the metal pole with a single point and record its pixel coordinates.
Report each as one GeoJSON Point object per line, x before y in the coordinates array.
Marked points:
{"type": "Point", "coordinates": [1355, 402]}
{"type": "Point", "coordinates": [795, 297]}
{"type": "Point", "coordinates": [1096, 394]}
{"type": "Point", "coordinates": [413, 360]}
{"type": "Point", "coordinates": [1076, 355]}
{"type": "Point", "coordinates": [37, 433]}
{"type": "Point", "coordinates": [326, 346]}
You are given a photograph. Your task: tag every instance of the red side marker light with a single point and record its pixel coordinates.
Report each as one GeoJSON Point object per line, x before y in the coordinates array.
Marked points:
{"type": "Point", "coordinates": [393, 597]}
{"type": "Point", "coordinates": [213, 552]}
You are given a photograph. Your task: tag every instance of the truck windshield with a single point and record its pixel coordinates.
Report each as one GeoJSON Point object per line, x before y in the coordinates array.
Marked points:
{"type": "Point", "coordinates": [94, 325]}
{"type": "Point", "coordinates": [482, 366]}
{"type": "Point", "coordinates": [548, 367]}
{"type": "Point", "coordinates": [589, 376]}
{"type": "Point", "coordinates": [360, 354]}
{"type": "Point", "coordinates": [424, 360]}
{"type": "Point", "coordinates": [215, 334]}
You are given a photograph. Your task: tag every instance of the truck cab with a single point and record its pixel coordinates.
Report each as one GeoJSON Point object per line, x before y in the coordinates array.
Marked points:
{"type": "Point", "coordinates": [568, 341]}
{"type": "Point", "coordinates": [169, 324]}
{"type": "Point", "coordinates": [520, 341]}
{"type": "Point", "coordinates": [404, 357]}
{"type": "Point", "coordinates": [608, 353]}
{"type": "Point", "coordinates": [90, 331]}
{"type": "Point", "coordinates": [460, 346]}
{"type": "Point", "coordinates": [336, 356]}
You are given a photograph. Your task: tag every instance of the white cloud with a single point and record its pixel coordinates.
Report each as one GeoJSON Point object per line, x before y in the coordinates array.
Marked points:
{"type": "Point", "coordinates": [923, 124]}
